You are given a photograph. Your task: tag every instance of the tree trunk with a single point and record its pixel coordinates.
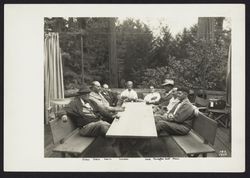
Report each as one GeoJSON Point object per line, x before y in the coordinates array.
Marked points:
{"type": "Point", "coordinates": [82, 58]}
{"type": "Point", "coordinates": [113, 66]}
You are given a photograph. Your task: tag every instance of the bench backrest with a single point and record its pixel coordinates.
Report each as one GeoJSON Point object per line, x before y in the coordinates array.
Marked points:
{"type": "Point", "coordinates": [60, 129]}
{"type": "Point", "coordinates": [205, 127]}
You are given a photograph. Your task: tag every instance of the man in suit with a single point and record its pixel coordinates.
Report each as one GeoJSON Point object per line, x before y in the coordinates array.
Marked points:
{"type": "Point", "coordinates": [82, 113]}
{"type": "Point", "coordinates": [178, 121]}
{"type": "Point", "coordinates": [101, 105]}
{"type": "Point", "coordinates": [111, 96]}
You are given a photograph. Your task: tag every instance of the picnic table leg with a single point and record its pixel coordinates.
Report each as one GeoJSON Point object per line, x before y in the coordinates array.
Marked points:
{"type": "Point", "coordinates": [74, 155]}
{"type": "Point", "coordinates": [204, 155]}
{"type": "Point", "coordinates": [139, 153]}
{"type": "Point", "coordinates": [117, 150]}
{"type": "Point", "coordinates": [118, 147]}
{"type": "Point", "coordinates": [193, 155]}
{"type": "Point", "coordinates": [124, 147]}
{"type": "Point", "coordinates": [63, 155]}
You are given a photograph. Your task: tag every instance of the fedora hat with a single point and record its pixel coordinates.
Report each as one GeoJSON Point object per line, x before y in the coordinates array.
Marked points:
{"type": "Point", "coordinates": [84, 89]}
{"type": "Point", "coordinates": [168, 82]}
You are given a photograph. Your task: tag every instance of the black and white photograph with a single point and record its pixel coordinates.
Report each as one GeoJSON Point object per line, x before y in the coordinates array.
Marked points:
{"type": "Point", "coordinates": [105, 89]}
{"type": "Point", "coordinates": [137, 87]}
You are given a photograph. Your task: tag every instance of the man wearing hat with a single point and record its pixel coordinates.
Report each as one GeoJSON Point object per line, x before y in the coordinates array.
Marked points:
{"type": "Point", "coordinates": [168, 99]}
{"type": "Point", "coordinates": [168, 85]}
{"type": "Point", "coordinates": [180, 118]}
{"type": "Point", "coordinates": [82, 114]}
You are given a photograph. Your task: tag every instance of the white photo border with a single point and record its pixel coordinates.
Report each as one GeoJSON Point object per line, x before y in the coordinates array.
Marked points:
{"type": "Point", "coordinates": [24, 88]}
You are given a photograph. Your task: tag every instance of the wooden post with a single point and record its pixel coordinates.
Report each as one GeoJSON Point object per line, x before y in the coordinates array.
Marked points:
{"type": "Point", "coordinates": [206, 30]}
{"type": "Point", "coordinates": [82, 58]}
{"type": "Point", "coordinates": [113, 67]}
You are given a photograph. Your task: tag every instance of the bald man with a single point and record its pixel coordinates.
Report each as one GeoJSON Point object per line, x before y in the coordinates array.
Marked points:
{"type": "Point", "coordinates": [129, 94]}
{"type": "Point", "coordinates": [101, 105]}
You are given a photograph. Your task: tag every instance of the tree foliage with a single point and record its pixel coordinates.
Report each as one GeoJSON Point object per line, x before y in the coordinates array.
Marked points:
{"type": "Point", "coordinates": [134, 43]}
{"type": "Point", "coordinates": [145, 59]}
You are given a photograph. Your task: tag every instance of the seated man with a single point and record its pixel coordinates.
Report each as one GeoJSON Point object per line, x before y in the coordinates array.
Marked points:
{"type": "Point", "coordinates": [82, 114]}
{"type": "Point", "coordinates": [129, 94]}
{"type": "Point", "coordinates": [101, 105]}
{"type": "Point", "coordinates": [153, 97]}
{"type": "Point", "coordinates": [180, 118]}
{"type": "Point", "coordinates": [110, 96]}
{"type": "Point", "coordinates": [168, 85]}
{"type": "Point", "coordinates": [169, 104]}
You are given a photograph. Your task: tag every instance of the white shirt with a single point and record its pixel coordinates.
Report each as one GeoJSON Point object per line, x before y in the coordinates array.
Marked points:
{"type": "Point", "coordinates": [180, 104]}
{"type": "Point", "coordinates": [152, 97]}
{"type": "Point", "coordinates": [172, 102]}
{"type": "Point", "coordinates": [166, 94]}
{"type": "Point", "coordinates": [129, 94]}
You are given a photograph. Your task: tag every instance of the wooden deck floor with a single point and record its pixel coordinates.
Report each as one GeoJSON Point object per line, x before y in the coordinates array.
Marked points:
{"type": "Point", "coordinates": [158, 147]}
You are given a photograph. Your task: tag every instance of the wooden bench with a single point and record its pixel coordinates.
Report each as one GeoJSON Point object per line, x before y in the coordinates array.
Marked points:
{"type": "Point", "coordinates": [200, 138]}
{"type": "Point", "coordinates": [67, 139]}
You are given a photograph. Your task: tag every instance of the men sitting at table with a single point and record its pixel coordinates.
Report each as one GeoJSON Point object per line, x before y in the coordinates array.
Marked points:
{"type": "Point", "coordinates": [82, 114]}
{"type": "Point", "coordinates": [101, 105]}
{"type": "Point", "coordinates": [129, 94]}
{"type": "Point", "coordinates": [153, 97]}
{"type": "Point", "coordinates": [168, 85]}
{"type": "Point", "coordinates": [111, 96]}
{"type": "Point", "coordinates": [178, 121]}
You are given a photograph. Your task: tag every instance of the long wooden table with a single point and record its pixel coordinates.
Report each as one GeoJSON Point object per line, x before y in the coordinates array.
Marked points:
{"type": "Point", "coordinates": [136, 123]}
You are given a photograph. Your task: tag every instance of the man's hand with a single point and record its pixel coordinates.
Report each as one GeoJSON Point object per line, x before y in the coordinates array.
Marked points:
{"type": "Point", "coordinates": [139, 100]}
{"type": "Point", "coordinates": [116, 116]}
{"type": "Point", "coordinates": [153, 98]}
{"type": "Point", "coordinates": [165, 108]}
{"type": "Point", "coordinates": [196, 111]}
{"type": "Point", "coordinates": [120, 109]}
{"type": "Point", "coordinates": [170, 117]}
{"type": "Point", "coordinates": [64, 118]}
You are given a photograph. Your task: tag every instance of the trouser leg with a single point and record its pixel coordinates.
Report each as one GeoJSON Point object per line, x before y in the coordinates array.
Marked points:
{"type": "Point", "coordinates": [171, 128]}
{"type": "Point", "coordinates": [95, 128]}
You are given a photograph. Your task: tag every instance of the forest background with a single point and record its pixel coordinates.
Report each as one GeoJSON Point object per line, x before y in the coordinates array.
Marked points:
{"type": "Point", "coordinates": [142, 57]}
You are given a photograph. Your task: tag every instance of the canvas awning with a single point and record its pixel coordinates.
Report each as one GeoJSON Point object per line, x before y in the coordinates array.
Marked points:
{"type": "Point", "coordinates": [53, 72]}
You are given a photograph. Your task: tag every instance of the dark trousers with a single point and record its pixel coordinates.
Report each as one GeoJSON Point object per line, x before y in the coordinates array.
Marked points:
{"type": "Point", "coordinates": [95, 128]}
{"type": "Point", "coordinates": [169, 128]}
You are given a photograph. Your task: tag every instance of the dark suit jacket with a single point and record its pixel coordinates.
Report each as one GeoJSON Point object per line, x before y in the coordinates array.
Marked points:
{"type": "Point", "coordinates": [101, 106]}
{"type": "Point", "coordinates": [185, 114]}
{"type": "Point", "coordinates": [79, 113]}
{"type": "Point", "coordinates": [111, 97]}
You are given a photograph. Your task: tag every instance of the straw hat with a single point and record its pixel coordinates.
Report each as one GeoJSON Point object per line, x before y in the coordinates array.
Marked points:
{"type": "Point", "coordinates": [168, 82]}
